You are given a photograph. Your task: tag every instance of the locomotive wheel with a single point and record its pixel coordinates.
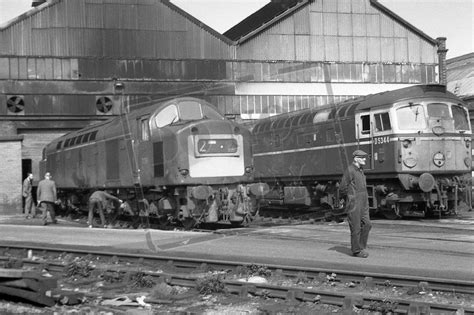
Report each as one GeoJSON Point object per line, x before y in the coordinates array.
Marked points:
{"type": "Point", "coordinates": [390, 215]}
{"type": "Point", "coordinates": [189, 223]}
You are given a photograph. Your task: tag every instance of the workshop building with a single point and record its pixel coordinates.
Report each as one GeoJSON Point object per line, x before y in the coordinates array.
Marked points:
{"type": "Point", "coordinates": [60, 63]}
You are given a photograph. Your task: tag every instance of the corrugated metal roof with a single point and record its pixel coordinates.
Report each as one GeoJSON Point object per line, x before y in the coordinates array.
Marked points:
{"type": "Point", "coordinates": [460, 75]}
{"type": "Point", "coordinates": [125, 28]}
{"type": "Point", "coordinates": [253, 22]}
{"type": "Point", "coordinates": [173, 7]}
{"type": "Point", "coordinates": [277, 10]}
{"type": "Point", "coordinates": [28, 13]}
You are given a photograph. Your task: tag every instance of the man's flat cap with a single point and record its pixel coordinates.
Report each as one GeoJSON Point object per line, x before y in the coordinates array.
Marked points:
{"type": "Point", "coordinates": [359, 153]}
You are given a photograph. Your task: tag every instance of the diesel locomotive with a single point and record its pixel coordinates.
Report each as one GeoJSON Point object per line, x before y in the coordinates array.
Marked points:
{"type": "Point", "coordinates": [418, 140]}
{"type": "Point", "coordinates": [179, 159]}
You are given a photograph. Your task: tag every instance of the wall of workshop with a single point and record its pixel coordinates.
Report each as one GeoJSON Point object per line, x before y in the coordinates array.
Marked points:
{"type": "Point", "coordinates": [340, 31]}
{"type": "Point", "coordinates": [10, 181]}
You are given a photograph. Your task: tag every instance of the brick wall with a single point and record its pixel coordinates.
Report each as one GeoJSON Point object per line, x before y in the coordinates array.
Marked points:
{"type": "Point", "coordinates": [10, 179]}
{"type": "Point", "coordinates": [7, 128]}
{"type": "Point", "coordinates": [33, 143]}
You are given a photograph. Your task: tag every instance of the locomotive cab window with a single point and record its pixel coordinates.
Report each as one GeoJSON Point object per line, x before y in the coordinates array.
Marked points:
{"type": "Point", "coordinates": [185, 111]}
{"type": "Point", "coordinates": [382, 122]}
{"type": "Point", "coordinates": [439, 110]}
{"type": "Point", "coordinates": [461, 120]}
{"type": "Point", "coordinates": [190, 111]}
{"type": "Point", "coordinates": [144, 130]}
{"type": "Point", "coordinates": [411, 117]}
{"type": "Point", "coordinates": [365, 124]}
{"type": "Point", "coordinates": [167, 116]}
{"type": "Point", "coordinates": [211, 113]}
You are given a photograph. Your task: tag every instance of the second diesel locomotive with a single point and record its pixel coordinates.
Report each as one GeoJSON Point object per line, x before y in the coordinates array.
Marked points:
{"type": "Point", "coordinates": [419, 144]}
{"type": "Point", "coordinates": [180, 157]}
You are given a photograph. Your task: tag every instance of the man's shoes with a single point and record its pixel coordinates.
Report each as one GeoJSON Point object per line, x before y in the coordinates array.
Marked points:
{"type": "Point", "coordinates": [45, 223]}
{"type": "Point", "coordinates": [361, 254]}
{"type": "Point", "coordinates": [90, 226]}
{"type": "Point", "coordinates": [27, 217]}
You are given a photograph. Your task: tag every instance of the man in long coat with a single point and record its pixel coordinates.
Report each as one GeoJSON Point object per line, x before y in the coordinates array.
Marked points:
{"type": "Point", "coordinates": [46, 195]}
{"type": "Point", "coordinates": [28, 195]}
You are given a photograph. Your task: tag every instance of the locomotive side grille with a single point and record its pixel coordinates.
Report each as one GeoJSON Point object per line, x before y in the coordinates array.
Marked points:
{"type": "Point", "coordinates": [112, 156]}
{"type": "Point", "coordinates": [158, 159]}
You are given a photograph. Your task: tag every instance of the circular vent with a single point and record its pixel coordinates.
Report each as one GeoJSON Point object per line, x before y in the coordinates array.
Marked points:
{"type": "Point", "coordinates": [104, 104]}
{"type": "Point", "coordinates": [15, 104]}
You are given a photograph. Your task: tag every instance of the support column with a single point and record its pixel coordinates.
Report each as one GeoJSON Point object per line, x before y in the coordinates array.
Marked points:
{"type": "Point", "coordinates": [442, 60]}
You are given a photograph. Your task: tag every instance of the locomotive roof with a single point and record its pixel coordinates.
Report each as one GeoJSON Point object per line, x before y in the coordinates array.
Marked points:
{"type": "Point", "coordinates": [390, 97]}
{"type": "Point", "coordinates": [143, 111]}
{"type": "Point", "coordinates": [349, 107]}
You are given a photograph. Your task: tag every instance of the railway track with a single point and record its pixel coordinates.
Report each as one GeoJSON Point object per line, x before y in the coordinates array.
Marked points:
{"type": "Point", "coordinates": [144, 222]}
{"type": "Point", "coordinates": [185, 272]}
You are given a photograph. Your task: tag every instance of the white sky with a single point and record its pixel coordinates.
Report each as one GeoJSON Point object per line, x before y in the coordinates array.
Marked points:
{"type": "Point", "coordinates": [453, 19]}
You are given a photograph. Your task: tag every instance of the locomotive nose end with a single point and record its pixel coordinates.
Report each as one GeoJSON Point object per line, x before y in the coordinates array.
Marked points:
{"type": "Point", "coordinates": [426, 182]}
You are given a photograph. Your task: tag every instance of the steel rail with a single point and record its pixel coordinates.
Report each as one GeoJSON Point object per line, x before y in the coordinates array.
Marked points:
{"type": "Point", "coordinates": [438, 284]}
{"type": "Point", "coordinates": [346, 298]}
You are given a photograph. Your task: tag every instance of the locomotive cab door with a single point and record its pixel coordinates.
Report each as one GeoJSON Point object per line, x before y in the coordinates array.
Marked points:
{"type": "Point", "coordinates": [144, 149]}
{"type": "Point", "coordinates": [364, 136]}
{"type": "Point", "coordinates": [365, 141]}
{"type": "Point", "coordinates": [383, 150]}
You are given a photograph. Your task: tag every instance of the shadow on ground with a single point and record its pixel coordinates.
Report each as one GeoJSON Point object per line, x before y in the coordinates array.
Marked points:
{"type": "Point", "coordinates": [342, 249]}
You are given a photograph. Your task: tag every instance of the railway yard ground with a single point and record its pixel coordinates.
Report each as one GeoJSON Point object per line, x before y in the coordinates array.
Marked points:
{"type": "Point", "coordinates": [317, 255]}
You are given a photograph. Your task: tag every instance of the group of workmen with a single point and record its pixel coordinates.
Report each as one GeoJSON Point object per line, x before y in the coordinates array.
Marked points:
{"type": "Point", "coordinates": [46, 196]}
{"type": "Point", "coordinates": [353, 187]}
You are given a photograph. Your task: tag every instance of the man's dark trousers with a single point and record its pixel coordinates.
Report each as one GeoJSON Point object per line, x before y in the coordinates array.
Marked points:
{"type": "Point", "coordinates": [359, 221]}
{"type": "Point", "coordinates": [48, 206]}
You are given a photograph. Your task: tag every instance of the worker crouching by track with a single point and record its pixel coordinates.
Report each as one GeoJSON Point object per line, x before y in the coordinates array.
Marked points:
{"type": "Point", "coordinates": [98, 200]}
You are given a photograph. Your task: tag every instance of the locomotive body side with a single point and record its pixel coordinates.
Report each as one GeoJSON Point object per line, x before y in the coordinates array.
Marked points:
{"type": "Point", "coordinates": [418, 140]}
{"type": "Point", "coordinates": [182, 156]}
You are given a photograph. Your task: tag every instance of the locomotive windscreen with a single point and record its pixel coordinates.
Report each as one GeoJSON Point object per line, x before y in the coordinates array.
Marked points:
{"type": "Point", "coordinates": [188, 110]}
{"type": "Point", "coordinates": [461, 120]}
{"type": "Point", "coordinates": [192, 110]}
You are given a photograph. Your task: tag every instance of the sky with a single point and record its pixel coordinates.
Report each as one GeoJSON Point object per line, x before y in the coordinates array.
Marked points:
{"type": "Point", "coordinates": [453, 19]}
